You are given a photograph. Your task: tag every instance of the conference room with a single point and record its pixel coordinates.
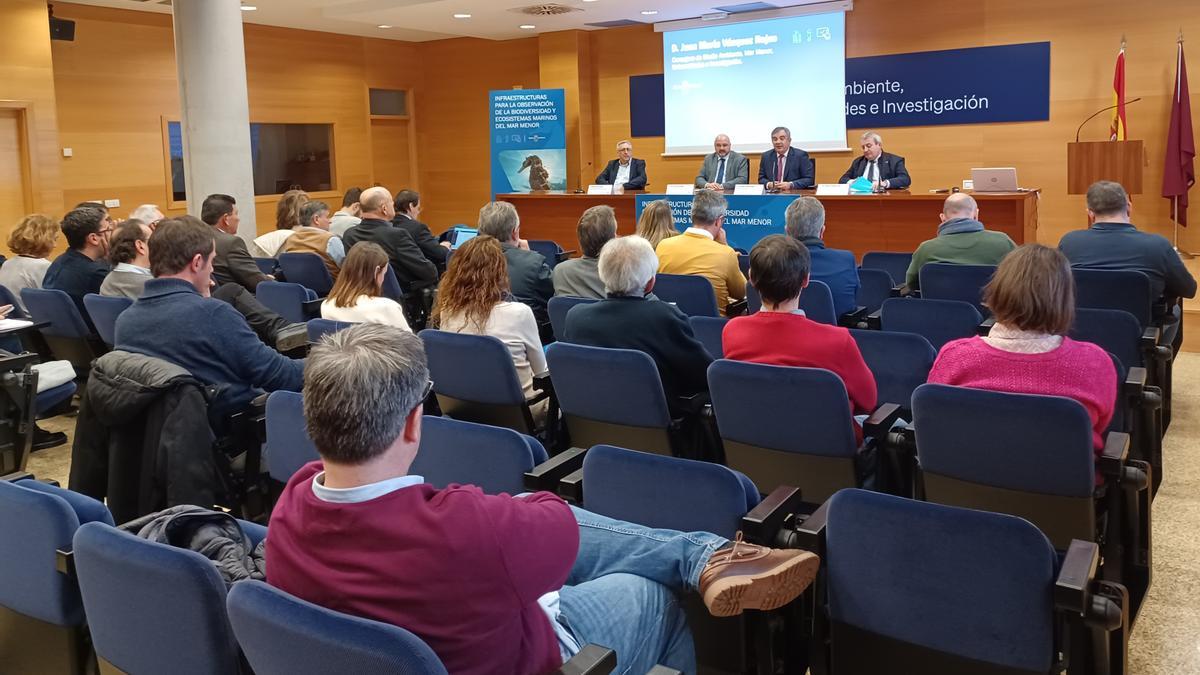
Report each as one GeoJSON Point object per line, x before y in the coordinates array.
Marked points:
{"type": "Point", "coordinates": [593, 336]}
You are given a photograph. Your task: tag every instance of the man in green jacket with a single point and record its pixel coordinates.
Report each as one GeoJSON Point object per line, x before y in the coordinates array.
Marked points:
{"type": "Point", "coordinates": [960, 239]}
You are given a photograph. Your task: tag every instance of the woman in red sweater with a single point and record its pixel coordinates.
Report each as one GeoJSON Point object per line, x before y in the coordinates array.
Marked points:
{"type": "Point", "coordinates": [1032, 297]}
{"type": "Point", "coordinates": [781, 335]}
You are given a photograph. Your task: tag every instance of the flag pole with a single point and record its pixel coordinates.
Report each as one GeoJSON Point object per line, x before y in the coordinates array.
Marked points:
{"type": "Point", "coordinates": [1175, 199]}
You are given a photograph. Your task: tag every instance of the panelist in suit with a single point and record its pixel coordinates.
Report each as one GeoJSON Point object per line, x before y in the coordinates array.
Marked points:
{"type": "Point", "coordinates": [724, 168]}
{"type": "Point", "coordinates": [625, 171]}
{"type": "Point", "coordinates": [878, 166]}
{"type": "Point", "coordinates": [785, 167]}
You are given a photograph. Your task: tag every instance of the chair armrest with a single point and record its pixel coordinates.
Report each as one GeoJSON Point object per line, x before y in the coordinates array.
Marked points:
{"type": "Point", "coordinates": [737, 307]}
{"type": "Point", "coordinates": [694, 404]}
{"type": "Point", "coordinates": [565, 255]}
{"type": "Point", "coordinates": [1116, 452]}
{"type": "Point", "coordinates": [985, 326]}
{"type": "Point", "coordinates": [875, 320]}
{"type": "Point", "coordinates": [570, 487]}
{"type": "Point", "coordinates": [1151, 337]}
{"type": "Point", "coordinates": [312, 308]}
{"type": "Point", "coordinates": [776, 512]}
{"type": "Point", "coordinates": [663, 670]}
{"type": "Point", "coordinates": [16, 476]}
{"type": "Point", "coordinates": [855, 318]}
{"type": "Point", "coordinates": [591, 660]}
{"type": "Point", "coordinates": [880, 422]}
{"type": "Point", "coordinates": [810, 533]}
{"type": "Point", "coordinates": [1072, 588]}
{"type": "Point", "coordinates": [543, 382]}
{"type": "Point", "coordinates": [897, 291]}
{"type": "Point", "coordinates": [64, 563]}
{"type": "Point", "coordinates": [18, 362]}
{"type": "Point", "coordinates": [546, 476]}
{"type": "Point", "coordinates": [1135, 382]}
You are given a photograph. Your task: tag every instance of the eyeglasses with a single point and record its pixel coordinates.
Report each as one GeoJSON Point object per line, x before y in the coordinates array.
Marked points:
{"type": "Point", "coordinates": [424, 394]}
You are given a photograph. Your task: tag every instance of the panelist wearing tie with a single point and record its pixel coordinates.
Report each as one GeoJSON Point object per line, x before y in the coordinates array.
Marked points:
{"type": "Point", "coordinates": [724, 168]}
{"type": "Point", "coordinates": [785, 167]}
{"type": "Point", "coordinates": [625, 171]}
{"type": "Point", "coordinates": [878, 166]}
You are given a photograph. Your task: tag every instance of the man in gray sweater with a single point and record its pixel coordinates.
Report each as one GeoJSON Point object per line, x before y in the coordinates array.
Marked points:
{"type": "Point", "coordinates": [129, 252]}
{"type": "Point", "coordinates": [580, 277]}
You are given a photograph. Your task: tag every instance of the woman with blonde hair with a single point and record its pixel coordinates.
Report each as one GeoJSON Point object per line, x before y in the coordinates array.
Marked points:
{"type": "Point", "coordinates": [357, 295]}
{"type": "Point", "coordinates": [474, 298]}
{"type": "Point", "coordinates": [656, 223]}
{"type": "Point", "coordinates": [31, 241]}
{"type": "Point", "coordinates": [1032, 297]}
{"type": "Point", "coordinates": [287, 219]}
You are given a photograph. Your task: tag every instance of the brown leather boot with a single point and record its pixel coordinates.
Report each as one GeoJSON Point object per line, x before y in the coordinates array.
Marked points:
{"type": "Point", "coordinates": [745, 576]}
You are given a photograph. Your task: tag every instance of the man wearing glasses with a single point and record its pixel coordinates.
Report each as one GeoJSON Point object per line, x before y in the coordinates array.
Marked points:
{"type": "Point", "coordinates": [82, 268]}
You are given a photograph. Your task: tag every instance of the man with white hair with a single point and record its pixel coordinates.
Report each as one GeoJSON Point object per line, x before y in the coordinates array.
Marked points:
{"type": "Point", "coordinates": [881, 168]}
{"type": "Point", "coordinates": [960, 239]}
{"type": "Point", "coordinates": [413, 270]}
{"type": "Point", "coordinates": [724, 168]}
{"type": "Point", "coordinates": [627, 319]}
{"type": "Point", "coordinates": [149, 214]}
{"type": "Point", "coordinates": [624, 171]}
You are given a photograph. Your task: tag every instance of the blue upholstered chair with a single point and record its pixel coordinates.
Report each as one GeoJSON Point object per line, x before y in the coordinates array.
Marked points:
{"type": "Point", "coordinates": [950, 590]}
{"type": "Point", "coordinates": [266, 265]}
{"type": "Point", "coordinates": [895, 264]}
{"type": "Point", "coordinates": [104, 311]}
{"type": "Point", "coordinates": [1127, 290]}
{"type": "Point", "coordinates": [7, 297]}
{"type": "Point", "coordinates": [817, 302]}
{"type": "Point", "coordinates": [288, 446]}
{"type": "Point", "coordinates": [284, 635]}
{"type": "Point", "coordinates": [285, 299]}
{"type": "Point", "coordinates": [900, 363]}
{"type": "Point", "coordinates": [550, 250]}
{"type": "Point", "coordinates": [938, 321]}
{"type": "Point", "coordinates": [874, 286]}
{"type": "Point", "coordinates": [154, 608]}
{"type": "Point", "coordinates": [308, 270]}
{"type": "Point", "coordinates": [947, 281]}
{"type": "Point", "coordinates": [319, 328]}
{"type": "Point", "coordinates": [692, 294]}
{"type": "Point", "coordinates": [494, 459]}
{"type": "Point", "coordinates": [708, 330]}
{"type": "Point", "coordinates": [558, 307]}
{"type": "Point", "coordinates": [68, 334]}
{"type": "Point", "coordinates": [41, 612]}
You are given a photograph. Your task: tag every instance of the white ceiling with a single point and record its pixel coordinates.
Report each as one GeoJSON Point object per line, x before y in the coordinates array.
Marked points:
{"type": "Point", "coordinates": [421, 20]}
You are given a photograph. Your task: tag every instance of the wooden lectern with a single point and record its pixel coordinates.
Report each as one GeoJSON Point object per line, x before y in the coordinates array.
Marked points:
{"type": "Point", "coordinates": [1090, 161]}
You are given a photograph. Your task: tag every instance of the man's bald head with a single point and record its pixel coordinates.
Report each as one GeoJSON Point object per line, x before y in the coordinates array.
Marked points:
{"type": "Point", "coordinates": [721, 144]}
{"type": "Point", "coordinates": [375, 202]}
{"type": "Point", "coordinates": [960, 205]}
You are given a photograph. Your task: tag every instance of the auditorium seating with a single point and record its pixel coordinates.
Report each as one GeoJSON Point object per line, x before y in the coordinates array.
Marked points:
{"type": "Point", "coordinates": [692, 294]}
{"type": "Point", "coordinates": [708, 330]}
{"type": "Point", "coordinates": [558, 307]}
{"type": "Point", "coordinates": [319, 328]}
{"type": "Point", "coordinates": [288, 446]}
{"type": "Point", "coordinates": [947, 281]}
{"type": "Point", "coordinates": [817, 302]}
{"type": "Point", "coordinates": [67, 334]}
{"type": "Point", "coordinates": [895, 264]}
{"type": "Point", "coordinates": [1032, 456]}
{"type": "Point", "coordinates": [874, 286]}
{"type": "Point", "coordinates": [308, 270]}
{"type": "Point", "coordinates": [42, 624]}
{"type": "Point", "coordinates": [7, 298]}
{"type": "Point", "coordinates": [104, 312]}
{"type": "Point", "coordinates": [900, 363]}
{"type": "Point", "coordinates": [291, 301]}
{"type": "Point", "coordinates": [550, 250]}
{"type": "Point", "coordinates": [940, 589]}
{"type": "Point", "coordinates": [266, 265]}
{"type": "Point", "coordinates": [939, 321]}
{"type": "Point", "coordinates": [493, 458]}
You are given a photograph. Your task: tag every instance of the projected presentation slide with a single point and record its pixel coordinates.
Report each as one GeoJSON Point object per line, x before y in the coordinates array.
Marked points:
{"type": "Point", "coordinates": [744, 79]}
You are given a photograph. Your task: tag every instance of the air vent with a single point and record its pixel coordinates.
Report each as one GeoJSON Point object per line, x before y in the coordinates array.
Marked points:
{"type": "Point", "coordinates": [545, 9]}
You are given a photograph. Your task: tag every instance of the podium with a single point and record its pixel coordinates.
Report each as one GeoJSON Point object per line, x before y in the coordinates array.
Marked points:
{"type": "Point", "coordinates": [1090, 161]}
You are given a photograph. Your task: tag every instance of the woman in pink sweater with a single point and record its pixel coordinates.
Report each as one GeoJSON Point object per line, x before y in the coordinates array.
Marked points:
{"type": "Point", "coordinates": [1032, 297]}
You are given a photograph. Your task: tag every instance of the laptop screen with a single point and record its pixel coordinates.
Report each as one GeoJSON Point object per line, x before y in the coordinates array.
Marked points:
{"type": "Point", "coordinates": [463, 236]}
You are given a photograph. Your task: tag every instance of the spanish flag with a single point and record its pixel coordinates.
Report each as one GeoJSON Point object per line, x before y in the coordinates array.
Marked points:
{"type": "Point", "coordinates": [1118, 129]}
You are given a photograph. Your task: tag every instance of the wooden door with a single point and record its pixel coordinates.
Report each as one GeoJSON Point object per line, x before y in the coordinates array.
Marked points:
{"type": "Point", "coordinates": [15, 185]}
{"type": "Point", "coordinates": [390, 153]}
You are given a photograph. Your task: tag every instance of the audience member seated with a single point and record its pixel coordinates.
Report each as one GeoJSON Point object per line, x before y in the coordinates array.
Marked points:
{"type": "Point", "coordinates": [175, 320]}
{"type": "Point", "coordinates": [474, 298]}
{"type": "Point", "coordinates": [82, 268]}
{"type": "Point", "coordinates": [408, 209]}
{"type": "Point", "coordinates": [357, 295]}
{"type": "Point", "coordinates": [530, 277]}
{"type": "Point", "coordinates": [837, 268]}
{"type": "Point", "coordinates": [313, 236]}
{"type": "Point", "coordinates": [702, 250]}
{"type": "Point", "coordinates": [960, 239]}
{"type": "Point", "coordinates": [347, 216]}
{"type": "Point", "coordinates": [779, 334]}
{"type": "Point", "coordinates": [492, 583]}
{"type": "Point", "coordinates": [31, 242]}
{"type": "Point", "coordinates": [627, 319]}
{"type": "Point", "coordinates": [1113, 243]}
{"type": "Point", "coordinates": [412, 269]}
{"type": "Point", "coordinates": [657, 222]}
{"type": "Point", "coordinates": [233, 264]}
{"type": "Point", "coordinates": [149, 214]}
{"type": "Point", "coordinates": [580, 277]}
{"type": "Point", "coordinates": [129, 253]}
{"type": "Point", "coordinates": [1032, 297]}
{"type": "Point", "coordinates": [287, 219]}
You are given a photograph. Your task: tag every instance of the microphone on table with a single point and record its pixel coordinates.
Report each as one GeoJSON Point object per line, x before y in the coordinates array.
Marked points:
{"type": "Point", "coordinates": [1089, 119]}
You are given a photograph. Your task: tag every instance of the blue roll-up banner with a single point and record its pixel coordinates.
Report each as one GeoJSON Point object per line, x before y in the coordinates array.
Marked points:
{"type": "Point", "coordinates": [747, 219]}
{"type": "Point", "coordinates": [529, 140]}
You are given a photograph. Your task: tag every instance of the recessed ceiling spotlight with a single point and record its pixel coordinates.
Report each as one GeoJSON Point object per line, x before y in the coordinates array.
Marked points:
{"type": "Point", "coordinates": [649, 12]}
{"type": "Point", "coordinates": [248, 8]}
{"type": "Point", "coordinates": [383, 25]}
{"type": "Point", "coordinates": [462, 16]}
{"type": "Point", "coordinates": [528, 26]}
{"type": "Point", "coordinates": [589, 0]}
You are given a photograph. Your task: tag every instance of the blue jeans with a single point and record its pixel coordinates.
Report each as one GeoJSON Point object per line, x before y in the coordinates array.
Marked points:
{"type": "Point", "coordinates": [621, 593]}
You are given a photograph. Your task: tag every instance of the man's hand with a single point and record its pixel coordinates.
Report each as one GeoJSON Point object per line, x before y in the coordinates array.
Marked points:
{"type": "Point", "coordinates": [446, 244]}
{"type": "Point", "coordinates": [720, 237]}
{"type": "Point", "coordinates": [714, 186]}
{"type": "Point", "coordinates": [523, 244]}
{"type": "Point", "coordinates": [5, 310]}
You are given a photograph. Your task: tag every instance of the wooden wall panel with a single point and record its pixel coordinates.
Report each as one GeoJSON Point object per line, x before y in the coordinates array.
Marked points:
{"type": "Point", "coordinates": [26, 74]}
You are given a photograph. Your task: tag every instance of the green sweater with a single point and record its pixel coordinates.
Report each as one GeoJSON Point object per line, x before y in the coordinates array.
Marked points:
{"type": "Point", "coordinates": [964, 248]}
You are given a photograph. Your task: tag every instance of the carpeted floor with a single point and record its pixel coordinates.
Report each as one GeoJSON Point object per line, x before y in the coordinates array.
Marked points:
{"type": "Point", "coordinates": [1165, 642]}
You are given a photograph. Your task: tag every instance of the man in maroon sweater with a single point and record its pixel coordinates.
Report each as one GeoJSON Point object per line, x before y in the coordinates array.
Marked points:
{"type": "Point", "coordinates": [494, 584]}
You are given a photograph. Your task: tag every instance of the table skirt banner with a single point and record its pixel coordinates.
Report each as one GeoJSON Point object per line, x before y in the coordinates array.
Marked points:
{"type": "Point", "coordinates": [748, 218]}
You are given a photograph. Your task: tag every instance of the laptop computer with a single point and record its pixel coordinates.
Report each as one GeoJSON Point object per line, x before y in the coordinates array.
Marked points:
{"type": "Point", "coordinates": [461, 237]}
{"type": "Point", "coordinates": [1000, 179]}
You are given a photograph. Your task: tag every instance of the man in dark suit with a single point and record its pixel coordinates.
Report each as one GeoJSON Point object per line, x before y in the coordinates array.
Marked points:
{"type": "Point", "coordinates": [625, 171]}
{"type": "Point", "coordinates": [836, 268]}
{"type": "Point", "coordinates": [412, 269]}
{"type": "Point", "coordinates": [784, 167]}
{"type": "Point", "coordinates": [627, 319]}
{"type": "Point", "coordinates": [530, 278]}
{"type": "Point", "coordinates": [408, 209]}
{"type": "Point", "coordinates": [878, 166]}
{"type": "Point", "coordinates": [233, 264]}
